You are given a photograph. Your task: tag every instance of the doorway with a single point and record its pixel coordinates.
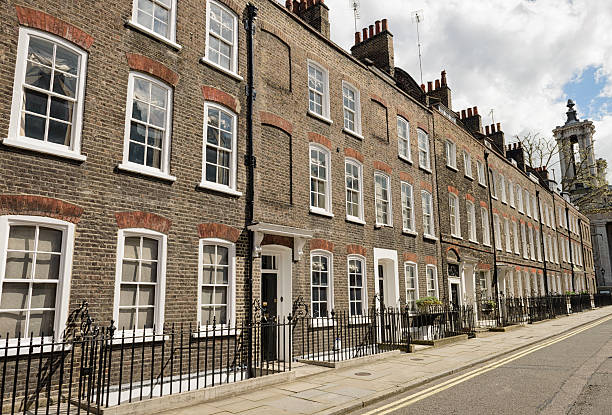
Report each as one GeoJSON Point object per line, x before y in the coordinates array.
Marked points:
{"type": "Point", "coordinates": [454, 294]}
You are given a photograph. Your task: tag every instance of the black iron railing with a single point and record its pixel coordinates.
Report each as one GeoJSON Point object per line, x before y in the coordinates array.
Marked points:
{"type": "Point", "coordinates": [602, 299]}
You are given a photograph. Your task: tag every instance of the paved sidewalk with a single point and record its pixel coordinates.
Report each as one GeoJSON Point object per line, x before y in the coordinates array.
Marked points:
{"type": "Point", "coordinates": [319, 390]}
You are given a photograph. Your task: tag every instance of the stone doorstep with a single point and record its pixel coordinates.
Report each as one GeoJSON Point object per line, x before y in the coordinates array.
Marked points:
{"type": "Point", "coordinates": [194, 397]}
{"type": "Point", "coordinates": [442, 342]}
{"type": "Point", "coordinates": [352, 362]}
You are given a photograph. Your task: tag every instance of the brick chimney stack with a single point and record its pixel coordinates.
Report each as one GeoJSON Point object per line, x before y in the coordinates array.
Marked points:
{"type": "Point", "coordinates": [442, 92]}
{"type": "Point", "coordinates": [496, 137]}
{"type": "Point", "coordinates": [376, 45]}
{"type": "Point", "coordinates": [472, 120]}
{"type": "Point", "coordinates": [313, 12]}
{"type": "Point", "coordinates": [514, 151]}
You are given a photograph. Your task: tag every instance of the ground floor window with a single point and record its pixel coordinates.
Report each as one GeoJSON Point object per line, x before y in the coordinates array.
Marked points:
{"type": "Point", "coordinates": [356, 273]}
{"type": "Point", "coordinates": [412, 286]}
{"type": "Point", "coordinates": [432, 281]}
{"type": "Point", "coordinates": [320, 273]}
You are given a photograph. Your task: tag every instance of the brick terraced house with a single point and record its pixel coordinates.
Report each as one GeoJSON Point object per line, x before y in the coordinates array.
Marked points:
{"type": "Point", "coordinates": [124, 182]}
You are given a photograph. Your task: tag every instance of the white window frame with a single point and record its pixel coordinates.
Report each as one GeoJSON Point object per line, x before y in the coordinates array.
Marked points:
{"type": "Point", "coordinates": [532, 252]}
{"type": "Point", "coordinates": [164, 171]}
{"type": "Point", "coordinates": [415, 267]}
{"type": "Point", "coordinates": [486, 226]}
{"type": "Point", "coordinates": [451, 154]}
{"type": "Point", "coordinates": [360, 218]}
{"type": "Point", "coordinates": [424, 155]}
{"type": "Point", "coordinates": [515, 230]}
{"type": "Point", "coordinates": [364, 288]}
{"type": "Point", "coordinates": [511, 193]}
{"type": "Point", "coordinates": [497, 230]}
{"type": "Point", "coordinates": [519, 198]}
{"type": "Point", "coordinates": [327, 210]}
{"type": "Point", "coordinates": [325, 114]}
{"type": "Point", "coordinates": [231, 282]}
{"type": "Point", "coordinates": [480, 170]}
{"type": "Point", "coordinates": [171, 40]}
{"type": "Point", "coordinates": [493, 181]}
{"type": "Point", "coordinates": [405, 140]}
{"type": "Point", "coordinates": [390, 211]}
{"type": "Point", "coordinates": [405, 186]}
{"type": "Point", "coordinates": [160, 293]}
{"type": "Point", "coordinates": [231, 188]}
{"type": "Point", "coordinates": [14, 138]}
{"type": "Point", "coordinates": [527, 202]}
{"type": "Point", "coordinates": [471, 221]}
{"type": "Point", "coordinates": [502, 184]}
{"type": "Point", "coordinates": [454, 215]}
{"type": "Point", "coordinates": [467, 164]}
{"type": "Point", "coordinates": [507, 234]}
{"type": "Point", "coordinates": [357, 112]}
{"type": "Point", "coordinates": [556, 249]}
{"type": "Point", "coordinates": [524, 240]}
{"type": "Point", "coordinates": [427, 202]}
{"type": "Point", "coordinates": [235, 46]}
{"type": "Point", "coordinates": [433, 269]}
{"type": "Point", "coordinates": [330, 283]}
{"type": "Point", "coordinates": [62, 296]}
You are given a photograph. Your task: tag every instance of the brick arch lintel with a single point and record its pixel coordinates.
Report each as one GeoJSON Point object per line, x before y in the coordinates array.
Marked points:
{"type": "Point", "coordinates": [321, 244]}
{"type": "Point", "coordinates": [218, 230]}
{"type": "Point", "coordinates": [268, 118]}
{"type": "Point", "coordinates": [354, 249]}
{"type": "Point", "coordinates": [140, 219]}
{"type": "Point", "coordinates": [210, 93]}
{"type": "Point", "coordinates": [319, 139]}
{"type": "Point", "coordinates": [40, 206]}
{"type": "Point", "coordinates": [152, 67]}
{"type": "Point", "coordinates": [40, 20]}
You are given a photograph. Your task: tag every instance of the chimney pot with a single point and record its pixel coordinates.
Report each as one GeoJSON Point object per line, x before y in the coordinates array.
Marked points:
{"type": "Point", "coordinates": [296, 6]}
{"type": "Point", "coordinates": [498, 127]}
{"type": "Point", "coordinates": [429, 86]}
{"type": "Point", "coordinates": [365, 34]}
{"type": "Point", "coordinates": [492, 128]}
{"type": "Point", "coordinates": [371, 32]}
{"type": "Point", "coordinates": [357, 38]}
{"type": "Point", "coordinates": [423, 87]}
{"type": "Point", "coordinates": [437, 84]}
{"type": "Point", "coordinates": [377, 23]}
{"type": "Point", "coordinates": [469, 112]}
{"type": "Point", "coordinates": [384, 25]}
{"type": "Point", "coordinates": [309, 3]}
{"type": "Point", "coordinates": [303, 5]}
{"type": "Point", "coordinates": [443, 76]}
{"type": "Point", "coordinates": [289, 4]}
{"type": "Point", "coordinates": [487, 130]}
{"type": "Point", "coordinates": [462, 114]}
{"type": "Point", "coordinates": [475, 110]}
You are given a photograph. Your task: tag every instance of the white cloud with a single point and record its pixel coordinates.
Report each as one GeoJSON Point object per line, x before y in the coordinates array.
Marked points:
{"type": "Point", "coordinates": [513, 56]}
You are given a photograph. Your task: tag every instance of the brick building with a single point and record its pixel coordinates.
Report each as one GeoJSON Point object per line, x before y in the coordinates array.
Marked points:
{"type": "Point", "coordinates": [124, 182]}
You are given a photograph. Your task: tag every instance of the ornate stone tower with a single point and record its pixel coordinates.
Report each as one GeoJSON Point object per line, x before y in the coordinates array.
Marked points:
{"type": "Point", "coordinates": [576, 153]}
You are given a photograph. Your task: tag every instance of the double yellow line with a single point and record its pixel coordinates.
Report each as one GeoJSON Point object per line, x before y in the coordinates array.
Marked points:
{"type": "Point", "coordinates": [409, 400]}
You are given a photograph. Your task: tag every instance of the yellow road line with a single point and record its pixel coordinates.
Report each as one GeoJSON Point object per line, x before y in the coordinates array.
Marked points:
{"type": "Point", "coordinates": [409, 400]}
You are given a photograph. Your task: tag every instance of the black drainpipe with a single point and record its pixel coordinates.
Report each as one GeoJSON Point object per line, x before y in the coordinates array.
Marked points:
{"type": "Point", "coordinates": [249, 26]}
{"type": "Point", "coordinates": [539, 212]}
{"type": "Point", "coordinates": [582, 252]}
{"type": "Point", "coordinates": [491, 226]}
{"type": "Point", "coordinates": [569, 234]}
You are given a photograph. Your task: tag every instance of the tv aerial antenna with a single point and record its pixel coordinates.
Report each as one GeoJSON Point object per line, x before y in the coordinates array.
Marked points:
{"type": "Point", "coordinates": [354, 4]}
{"type": "Point", "coordinates": [418, 17]}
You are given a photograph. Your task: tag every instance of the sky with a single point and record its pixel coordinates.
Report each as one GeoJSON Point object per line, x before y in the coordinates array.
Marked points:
{"type": "Point", "coordinates": [521, 58]}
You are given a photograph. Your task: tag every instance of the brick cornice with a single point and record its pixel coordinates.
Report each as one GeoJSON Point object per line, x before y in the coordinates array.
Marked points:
{"type": "Point", "coordinates": [319, 139]}
{"type": "Point", "coordinates": [40, 206]}
{"type": "Point", "coordinates": [218, 230]}
{"type": "Point", "coordinates": [43, 21]}
{"type": "Point", "coordinates": [140, 219]}
{"type": "Point", "coordinates": [379, 165]}
{"type": "Point", "coordinates": [210, 93]}
{"type": "Point", "coordinates": [321, 244]}
{"type": "Point", "coordinates": [349, 152]}
{"type": "Point", "coordinates": [405, 177]}
{"type": "Point", "coordinates": [232, 5]}
{"type": "Point", "coordinates": [159, 70]}
{"type": "Point", "coordinates": [274, 120]}
{"type": "Point", "coordinates": [355, 250]}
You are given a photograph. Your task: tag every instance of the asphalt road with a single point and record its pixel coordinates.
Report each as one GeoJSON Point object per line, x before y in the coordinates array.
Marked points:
{"type": "Point", "coordinates": [572, 376]}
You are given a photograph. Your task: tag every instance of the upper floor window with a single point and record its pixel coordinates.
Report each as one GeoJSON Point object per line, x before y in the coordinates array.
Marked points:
{"type": "Point", "coordinates": [221, 37]}
{"type": "Point", "coordinates": [382, 196]}
{"type": "Point", "coordinates": [486, 230]}
{"type": "Point", "coordinates": [219, 158]}
{"type": "Point", "coordinates": [493, 181]}
{"type": "Point", "coordinates": [467, 164]}
{"type": "Point", "coordinates": [157, 17]}
{"type": "Point", "coordinates": [412, 285]}
{"type": "Point", "coordinates": [428, 222]}
{"type": "Point", "coordinates": [453, 209]}
{"type": "Point", "coordinates": [357, 297]}
{"type": "Point", "coordinates": [497, 230]}
{"type": "Point", "coordinates": [35, 263]}
{"type": "Point", "coordinates": [148, 121]}
{"type": "Point", "coordinates": [532, 251]}
{"type": "Point", "coordinates": [424, 158]}
{"type": "Point", "coordinates": [480, 168]}
{"type": "Point", "coordinates": [352, 108]}
{"type": "Point", "coordinates": [552, 217]}
{"type": "Point", "coordinates": [321, 283]}
{"type": "Point", "coordinates": [451, 154]}
{"type": "Point", "coordinates": [502, 184]}
{"type": "Point", "coordinates": [515, 231]}
{"type": "Point", "coordinates": [527, 203]}
{"type": "Point", "coordinates": [511, 193]}
{"type": "Point", "coordinates": [534, 208]}
{"type": "Point", "coordinates": [318, 90]}
{"type": "Point", "coordinates": [432, 281]}
{"type": "Point", "coordinates": [48, 95]}
{"type": "Point", "coordinates": [140, 280]}
{"type": "Point", "coordinates": [507, 234]}
{"type": "Point", "coordinates": [407, 207]}
{"type": "Point", "coordinates": [519, 198]}
{"type": "Point", "coordinates": [524, 241]}
{"type": "Point", "coordinates": [538, 245]}
{"type": "Point", "coordinates": [217, 282]}
{"type": "Point", "coordinates": [471, 221]}
{"type": "Point", "coordinates": [320, 196]}
{"type": "Point", "coordinates": [403, 139]}
{"type": "Point", "coordinates": [354, 191]}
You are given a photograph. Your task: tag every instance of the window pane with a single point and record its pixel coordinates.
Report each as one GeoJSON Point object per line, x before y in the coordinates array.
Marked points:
{"type": "Point", "coordinates": [127, 296]}
{"type": "Point", "coordinates": [43, 295]}
{"type": "Point", "coordinates": [49, 240]}
{"type": "Point", "coordinates": [208, 252]}
{"type": "Point", "coordinates": [12, 324]}
{"type": "Point", "coordinates": [129, 271]}
{"type": "Point", "coordinates": [40, 51]}
{"type": "Point", "coordinates": [131, 247]}
{"type": "Point", "coordinates": [222, 257]}
{"type": "Point", "coordinates": [66, 60]}
{"type": "Point", "coordinates": [149, 248]}
{"type": "Point", "coordinates": [34, 101]}
{"type": "Point", "coordinates": [207, 295]}
{"type": "Point", "coordinates": [220, 295]}
{"type": "Point", "coordinates": [222, 276]}
{"type": "Point", "coordinates": [126, 319]}
{"type": "Point", "coordinates": [145, 318]}
{"type": "Point", "coordinates": [146, 295]}
{"type": "Point", "coordinates": [14, 296]}
{"type": "Point", "coordinates": [148, 272]}
{"type": "Point", "coordinates": [18, 265]}
{"type": "Point", "coordinates": [38, 76]}
{"type": "Point", "coordinates": [21, 237]}
{"type": "Point", "coordinates": [47, 266]}
{"type": "Point", "coordinates": [64, 84]}
{"type": "Point", "coordinates": [59, 133]}
{"type": "Point", "coordinates": [33, 127]}
{"type": "Point", "coordinates": [207, 275]}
